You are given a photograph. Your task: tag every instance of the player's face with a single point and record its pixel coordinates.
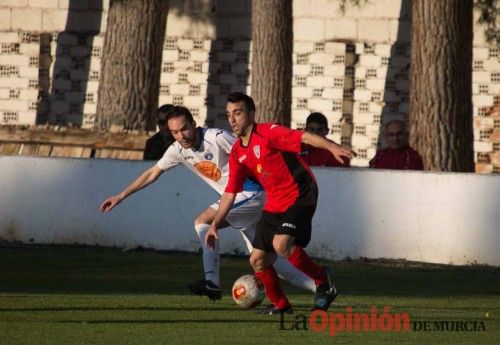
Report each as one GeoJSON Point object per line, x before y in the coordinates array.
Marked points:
{"type": "Point", "coordinates": [183, 131]}
{"type": "Point", "coordinates": [395, 135]}
{"type": "Point", "coordinates": [239, 118]}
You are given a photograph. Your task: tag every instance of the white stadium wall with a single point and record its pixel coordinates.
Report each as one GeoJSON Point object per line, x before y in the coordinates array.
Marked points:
{"type": "Point", "coordinates": [448, 218]}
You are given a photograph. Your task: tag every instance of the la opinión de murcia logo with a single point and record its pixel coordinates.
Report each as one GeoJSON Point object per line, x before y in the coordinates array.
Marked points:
{"type": "Point", "coordinates": [335, 323]}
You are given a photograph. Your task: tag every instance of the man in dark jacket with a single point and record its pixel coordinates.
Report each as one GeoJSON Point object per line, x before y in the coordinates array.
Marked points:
{"type": "Point", "coordinates": [317, 123]}
{"type": "Point", "coordinates": [159, 143]}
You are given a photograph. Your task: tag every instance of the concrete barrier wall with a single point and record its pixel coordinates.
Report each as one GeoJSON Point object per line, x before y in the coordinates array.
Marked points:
{"type": "Point", "coordinates": [432, 217]}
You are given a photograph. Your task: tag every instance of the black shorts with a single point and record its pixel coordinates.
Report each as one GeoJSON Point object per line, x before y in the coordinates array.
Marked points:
{"type": "Point", "coordinates": [296, 222]}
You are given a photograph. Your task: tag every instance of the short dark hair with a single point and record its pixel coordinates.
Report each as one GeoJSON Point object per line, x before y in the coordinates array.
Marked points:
{"type": "Point", "coordinates": [161, 113]}
{"type": "Point", "coordinates": [236, 97]}
{"type": "Point", "coordinates": [177, 111]}
{"type": "Point", "coordinates": [317, 118]}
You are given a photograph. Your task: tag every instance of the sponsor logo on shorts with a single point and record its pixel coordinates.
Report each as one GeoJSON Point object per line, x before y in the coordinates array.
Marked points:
{"type": "Point", "coordinates": [288, 225]}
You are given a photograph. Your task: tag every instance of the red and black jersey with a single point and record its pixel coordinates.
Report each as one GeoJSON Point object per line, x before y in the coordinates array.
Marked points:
{"type": "Point", "coordinates": [271, 157]}
{"type": "Point", "coordinates": [315, 156]}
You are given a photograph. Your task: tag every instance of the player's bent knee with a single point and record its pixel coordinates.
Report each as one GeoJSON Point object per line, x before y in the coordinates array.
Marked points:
{"type": "Point", "coordinates": [257, 262]}
{"type": "Point", "coordinates": [206, 217]}
{"type": "Point", "coordinates": [201, 219]}
{"type": "Point", "coordinates": [201, 228]}
{"type": "Point", "coordinates": [198, 221]}
{"type": "Point", "coordinates": [282, 248]}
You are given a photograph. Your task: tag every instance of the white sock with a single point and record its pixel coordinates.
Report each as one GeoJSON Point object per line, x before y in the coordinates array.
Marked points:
{"type": "Point", "coordinates": [210, 256]}
{"type": "Point", "coordinates": [289, 273]}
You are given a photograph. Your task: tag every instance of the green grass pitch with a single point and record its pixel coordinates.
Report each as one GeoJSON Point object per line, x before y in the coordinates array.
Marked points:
{"type": "Point", "coordinates": [87, 295]}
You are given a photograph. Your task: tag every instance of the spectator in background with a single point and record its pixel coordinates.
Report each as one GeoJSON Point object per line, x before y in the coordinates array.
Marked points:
{"type": "Point", "coordinates": [317, 123]}
{"type": "Point", "coordinates": [398, 154]}
{"type": "Point", "coordinates": [159, 143]}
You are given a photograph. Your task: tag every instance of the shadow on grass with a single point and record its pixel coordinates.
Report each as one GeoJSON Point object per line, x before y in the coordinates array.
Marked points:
{"type": "Point", "coordinates": [38, 269]}
{"type": "Point", "coordinates": [201, 320]}
{"type": "Point", "coordinates": [297, 307]}
{"type": "Point", "coordinates": [417, 281]}
{"type": "Point", "coordinates": [72, 309]}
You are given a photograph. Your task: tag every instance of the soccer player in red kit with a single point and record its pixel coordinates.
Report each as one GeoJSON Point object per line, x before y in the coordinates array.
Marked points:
{"type": "Point", "coordinates": [268, 153]}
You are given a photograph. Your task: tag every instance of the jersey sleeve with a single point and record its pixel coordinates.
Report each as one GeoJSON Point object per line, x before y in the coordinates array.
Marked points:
{"type": "Point", "coordinates": [283, 138]}
{"type": "Point", "coordinates": [237, 175]}
{"type": "Point", "coordinates": [170, 158]}
{"type": "Point", "coordinates": [224, 140]}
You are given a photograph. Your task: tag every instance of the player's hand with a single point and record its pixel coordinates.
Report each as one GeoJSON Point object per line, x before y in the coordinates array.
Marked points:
{"type": "Point", "coordinates": [211, 237]}
{"type": "Point", "coordinates": [110, 203]}
{"type": "Point", "coordinates": [339, 151]}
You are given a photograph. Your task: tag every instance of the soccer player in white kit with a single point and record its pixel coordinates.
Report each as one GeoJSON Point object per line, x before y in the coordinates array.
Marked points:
{"type": "Point", "coordinates": [205, 151]}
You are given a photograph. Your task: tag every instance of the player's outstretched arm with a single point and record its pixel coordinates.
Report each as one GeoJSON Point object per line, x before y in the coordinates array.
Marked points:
{"type": "Point", "coordinates": [226, 201]}
{"type": "Point", "coordinates": [145, 179]}
{"type": "Point", "coordinates": [338, 151]}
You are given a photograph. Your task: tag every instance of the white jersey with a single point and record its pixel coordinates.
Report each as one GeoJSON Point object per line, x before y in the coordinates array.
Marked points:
{"type": "Point", "coordinates": [209, 161]}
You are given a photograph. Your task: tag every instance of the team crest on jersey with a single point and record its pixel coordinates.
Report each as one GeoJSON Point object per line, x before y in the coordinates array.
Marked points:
{"type": "Point", "coordinates": [242, 158]}
{"type": "Point", "coordinates": [209, 156]}
{"type": "Point", "coordinates": [256, 151]}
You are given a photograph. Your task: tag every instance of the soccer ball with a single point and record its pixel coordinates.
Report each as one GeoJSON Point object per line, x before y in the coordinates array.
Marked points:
{"type": "Point", "coordinates": [248, 291]}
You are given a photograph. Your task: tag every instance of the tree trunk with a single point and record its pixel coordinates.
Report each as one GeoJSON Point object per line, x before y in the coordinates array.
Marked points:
{"type": "Point", "coordinates": [272, 39]}
{"type": "Point", "coordinates": [441, 84]}
{"type": "Point", "coordinates": [131, 64]}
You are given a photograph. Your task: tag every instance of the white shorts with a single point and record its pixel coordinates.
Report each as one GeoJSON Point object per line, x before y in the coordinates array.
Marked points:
{"type": "Point", "coordinates": [245, 214]}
